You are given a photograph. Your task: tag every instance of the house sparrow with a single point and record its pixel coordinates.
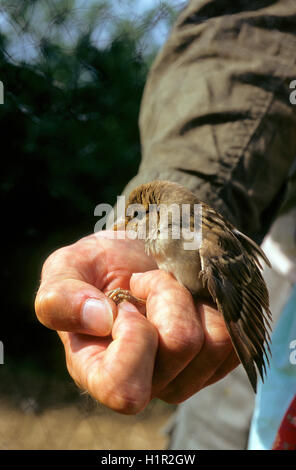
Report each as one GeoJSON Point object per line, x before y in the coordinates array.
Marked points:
{"type": "Point", "coordinates": [222, 264]}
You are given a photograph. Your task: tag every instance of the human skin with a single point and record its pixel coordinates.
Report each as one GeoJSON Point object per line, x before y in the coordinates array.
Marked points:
{"type": "Point", "coordinates": [121, 355]}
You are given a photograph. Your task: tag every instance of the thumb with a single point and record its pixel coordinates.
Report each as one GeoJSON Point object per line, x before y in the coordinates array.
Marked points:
{"type": "Point", "coordinates": [74, 305]}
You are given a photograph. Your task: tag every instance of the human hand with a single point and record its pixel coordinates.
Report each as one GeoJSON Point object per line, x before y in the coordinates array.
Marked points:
{"type": "Point", "coordinates": [194, 349]}
{"type": "Point", "coordinates": [174, 352]}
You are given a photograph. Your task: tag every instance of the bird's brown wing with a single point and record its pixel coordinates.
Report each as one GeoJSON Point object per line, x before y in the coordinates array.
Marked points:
{"type": "Point", "coordinates": [251, 247]}
{"type": "Point", "coordinates": [236, 285]}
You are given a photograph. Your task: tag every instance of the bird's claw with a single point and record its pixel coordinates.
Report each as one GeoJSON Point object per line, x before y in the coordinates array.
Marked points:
{"type": "Point", "coordinates": [119, 295]}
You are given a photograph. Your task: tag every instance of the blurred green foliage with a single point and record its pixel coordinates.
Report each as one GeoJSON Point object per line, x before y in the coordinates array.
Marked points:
{"type": "Point", "coordinates": [69, 141]}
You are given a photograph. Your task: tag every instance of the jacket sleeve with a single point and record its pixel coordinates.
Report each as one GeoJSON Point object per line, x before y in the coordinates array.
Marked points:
{"type": "Point", "coordinates": [216, 113]}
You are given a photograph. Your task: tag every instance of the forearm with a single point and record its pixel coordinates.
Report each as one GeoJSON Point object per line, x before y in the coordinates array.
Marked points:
{"type": "Point", "coordinates": [216, 115]}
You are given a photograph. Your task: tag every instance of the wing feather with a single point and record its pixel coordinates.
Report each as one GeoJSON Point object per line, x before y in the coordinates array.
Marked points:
{"type": "Point", "coordinates": [233, 278]}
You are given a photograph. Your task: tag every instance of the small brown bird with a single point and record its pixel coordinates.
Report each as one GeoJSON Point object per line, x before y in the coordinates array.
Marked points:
{"type": "Point", "coordinates": [222, 263]}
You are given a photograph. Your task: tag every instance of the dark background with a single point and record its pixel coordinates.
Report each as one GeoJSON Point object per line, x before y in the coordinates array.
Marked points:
{"type": "Point", "coordinates": [69, 141]}
{"type": "Point", "coordinates": [73, 73]}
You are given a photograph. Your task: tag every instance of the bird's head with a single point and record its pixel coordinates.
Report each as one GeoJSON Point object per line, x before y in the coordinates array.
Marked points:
{"type": "Point", "coordinates": [154, 213]}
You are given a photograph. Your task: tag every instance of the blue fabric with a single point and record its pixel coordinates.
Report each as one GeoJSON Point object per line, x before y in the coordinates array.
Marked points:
{"type": "Point", "coordinates": [274, 396]}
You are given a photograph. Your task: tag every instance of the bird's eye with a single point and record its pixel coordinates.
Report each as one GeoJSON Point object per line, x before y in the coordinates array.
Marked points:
{"type": "Point", "coordinates": [141, 215]}
{"type": "Point", "coordinates": [136, 211]}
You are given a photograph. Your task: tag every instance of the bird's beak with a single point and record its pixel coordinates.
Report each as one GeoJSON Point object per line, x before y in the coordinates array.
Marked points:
{"type": "Point", "coordinates": [126, 226]}
{"type": "Point", "coordinates": [120, 224]}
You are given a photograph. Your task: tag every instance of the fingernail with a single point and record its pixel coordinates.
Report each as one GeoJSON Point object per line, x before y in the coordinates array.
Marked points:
{"type": "Point", "coordinates": [136, 275]}
{"type": "Point", "coordinates": [97, 316]}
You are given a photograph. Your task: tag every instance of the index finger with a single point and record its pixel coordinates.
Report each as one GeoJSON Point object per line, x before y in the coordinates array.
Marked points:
{"type": "Point", "coordinates": [171, 309]}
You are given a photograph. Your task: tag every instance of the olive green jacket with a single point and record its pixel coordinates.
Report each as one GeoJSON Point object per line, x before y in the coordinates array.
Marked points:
{"type": "Point", "coordinates": [217, 113]}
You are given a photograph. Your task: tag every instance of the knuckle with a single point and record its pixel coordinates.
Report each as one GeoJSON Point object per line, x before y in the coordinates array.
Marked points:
{"type": "Point", "coordinates": [57, 254]}
{"type": "Point", "coordinates": [184, 340]}
{"type": "Point", "coordinates": [130, 401]}
{"type": "Point", "coordinates": [126, 396]}
{"type": "Point", "coordinates": [127, 405]}
{"type": "Point", "coordinates": [63, 255]}
{"type": "Point", "coordinates": [44, 304]}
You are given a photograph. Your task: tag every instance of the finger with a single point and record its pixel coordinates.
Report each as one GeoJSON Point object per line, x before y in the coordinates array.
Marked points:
{"type": "Point", "coordinates": [214, 360]}
{"type": "Point", "coordinates": [66, 299]}
{"type": "Point", "coordinates": [70, 297]}
{"type": "Point", "coordinates": [170, 308]}
{"type": "Point", "coordinates": [118, 373]}
{"type": "Point", "coordinates": [122, 258]}
{"type": "Point", "coordinates": [230, 363]}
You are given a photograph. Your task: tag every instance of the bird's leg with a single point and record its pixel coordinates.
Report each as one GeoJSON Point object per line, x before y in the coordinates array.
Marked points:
{"type": "Point", "coordinates": [119, 295]}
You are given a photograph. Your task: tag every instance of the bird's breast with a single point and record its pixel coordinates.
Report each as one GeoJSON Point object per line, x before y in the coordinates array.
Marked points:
{"type": "Point", "coordinates": [183, 264]}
